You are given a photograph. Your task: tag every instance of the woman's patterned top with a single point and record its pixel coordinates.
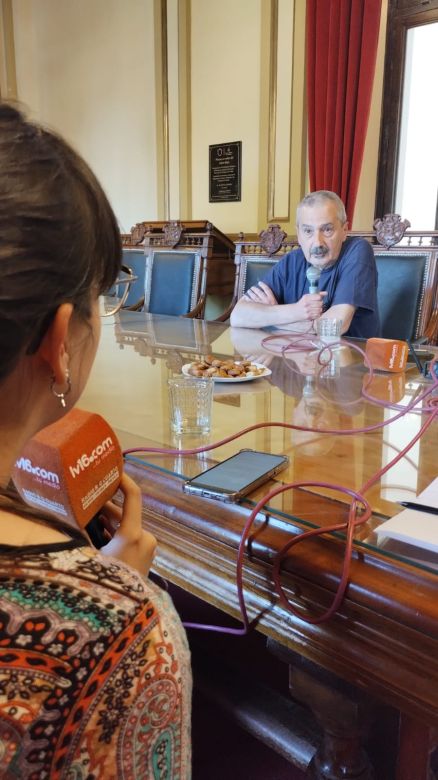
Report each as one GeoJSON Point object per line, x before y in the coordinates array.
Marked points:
{"type": "Point", "coordinates": [95, 678]}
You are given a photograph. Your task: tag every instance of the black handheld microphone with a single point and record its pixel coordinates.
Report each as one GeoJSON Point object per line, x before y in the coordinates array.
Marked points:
{"type": "Point", "coordinates": [313, 275]}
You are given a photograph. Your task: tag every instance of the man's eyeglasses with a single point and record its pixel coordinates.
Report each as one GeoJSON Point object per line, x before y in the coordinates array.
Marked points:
{"type": "Point", "coordinates": [116, 297]}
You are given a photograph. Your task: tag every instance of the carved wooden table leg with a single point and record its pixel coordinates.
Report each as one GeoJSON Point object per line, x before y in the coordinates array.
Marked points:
{"type": "Point", "coordinates": [343, 712]}
{"type": "Point", "coordinates": [416, 745]}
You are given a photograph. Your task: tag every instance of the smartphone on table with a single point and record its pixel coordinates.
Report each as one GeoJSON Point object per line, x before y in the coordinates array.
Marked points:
{"type": "Point", "coordinates": [236, 476]}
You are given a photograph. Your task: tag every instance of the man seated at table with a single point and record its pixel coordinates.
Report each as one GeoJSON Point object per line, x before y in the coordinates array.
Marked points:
{"type": "Point", "coordinates": [347, 287]}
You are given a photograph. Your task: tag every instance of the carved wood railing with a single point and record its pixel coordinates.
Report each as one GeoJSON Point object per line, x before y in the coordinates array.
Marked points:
{"type": "Point", "coordinates": [392, 231]}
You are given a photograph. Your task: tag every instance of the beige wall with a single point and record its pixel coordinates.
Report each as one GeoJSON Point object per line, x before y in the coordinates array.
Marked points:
{"type": "Point", "coordinates": [93, 69]}
{"type": "Point", "coordinates": [226, 102]}
{"type": "Point", "coordinates": [87, 69]}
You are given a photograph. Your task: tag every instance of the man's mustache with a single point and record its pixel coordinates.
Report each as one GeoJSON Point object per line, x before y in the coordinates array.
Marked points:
{"type": "Point", "coordinates": [319, 251]}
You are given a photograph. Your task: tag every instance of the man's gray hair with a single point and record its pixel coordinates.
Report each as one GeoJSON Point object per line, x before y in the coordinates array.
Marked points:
{"type": "Point", "coordinates": [318, 197]}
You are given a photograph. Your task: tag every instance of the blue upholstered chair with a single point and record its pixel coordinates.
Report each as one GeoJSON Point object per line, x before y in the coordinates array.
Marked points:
{"type": "Point", "coordinates": [180, 263]}
{"type": "Point", "coordinates": [175, 282]}
{"type": "Point", "coordinates": [120, 292]}
{"type": "Point", "coordinates": [254, 258]}
{"type": "Point", "coordinates": [168, 282]}
{"type": "Point", "coordinates": [407, 264]}
{"type": "Point", "coordinates": [134, 258]}
{"type": "Point", "coordinates": [401, 289]}
{"type": "Point", "coordinates": [253, 270]}
{"type": "Point", "coordinates": [250, 270]}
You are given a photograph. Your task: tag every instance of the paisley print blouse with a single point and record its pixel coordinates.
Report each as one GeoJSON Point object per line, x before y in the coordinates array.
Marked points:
{"type": "Point", "coordinates": [95, 679]}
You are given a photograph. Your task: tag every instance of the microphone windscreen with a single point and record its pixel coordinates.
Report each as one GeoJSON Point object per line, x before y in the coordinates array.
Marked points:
{"type": "Point", "coordinates": [71, 468]}
{"type": "Point", "coordinates": [313, 275]}
{"type": "Point", "coordinates": [387, 354]}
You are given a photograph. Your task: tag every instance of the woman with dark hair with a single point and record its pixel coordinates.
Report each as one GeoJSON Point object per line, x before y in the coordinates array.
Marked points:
{"type": "Point", "coordinates": [94, 667]}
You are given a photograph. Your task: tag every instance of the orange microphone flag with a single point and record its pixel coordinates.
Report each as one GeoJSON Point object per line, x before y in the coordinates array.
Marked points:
{"type": "Point", "coordinates": [387, 354]}
{"type": "Point", "coordinates": [71, 468]}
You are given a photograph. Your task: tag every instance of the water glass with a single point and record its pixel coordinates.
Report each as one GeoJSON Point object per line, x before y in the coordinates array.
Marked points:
{"type": "Point", "coordinates": [332, 367]}
{"type": "Point", "coordinates": [191, 401]}
{"type": "Point", "coordinates": [328, 330]}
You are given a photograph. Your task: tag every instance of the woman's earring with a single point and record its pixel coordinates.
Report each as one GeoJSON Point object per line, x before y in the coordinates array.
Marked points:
{"type": "Point", "coordinates": [62, 395]}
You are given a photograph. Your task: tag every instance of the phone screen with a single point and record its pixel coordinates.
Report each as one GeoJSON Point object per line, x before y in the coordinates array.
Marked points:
{"type": "Point", "coordinates": [239, 471]}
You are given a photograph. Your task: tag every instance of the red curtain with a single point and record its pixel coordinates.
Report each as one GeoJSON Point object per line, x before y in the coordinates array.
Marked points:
{"type": "Point", "coordinates": [342, 38]}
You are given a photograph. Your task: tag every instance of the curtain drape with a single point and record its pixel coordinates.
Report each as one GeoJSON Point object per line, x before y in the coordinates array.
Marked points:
{"type": "Point", "coordinates": [342, 37]}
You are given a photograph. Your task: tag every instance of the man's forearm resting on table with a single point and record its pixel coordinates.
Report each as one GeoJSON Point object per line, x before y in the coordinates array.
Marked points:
{"type": "Point", "coordinates": [247, 314]}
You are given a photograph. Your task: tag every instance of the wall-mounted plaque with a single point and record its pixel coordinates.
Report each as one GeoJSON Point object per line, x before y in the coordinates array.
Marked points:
{"type": "Point", "coordinates": [225, 171]}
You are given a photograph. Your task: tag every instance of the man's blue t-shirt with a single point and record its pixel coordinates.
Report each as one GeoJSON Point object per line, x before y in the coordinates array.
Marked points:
{"type": "Point", "coordinates": [352, 279]}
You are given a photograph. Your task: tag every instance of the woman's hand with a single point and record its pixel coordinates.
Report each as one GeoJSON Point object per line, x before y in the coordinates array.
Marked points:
{"type": "Point", "coordinates": [129, 543]}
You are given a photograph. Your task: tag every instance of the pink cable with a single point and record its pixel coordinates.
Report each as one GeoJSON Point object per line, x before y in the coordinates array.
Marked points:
{"type": "Point", "coordinates": [296, 346]}
{"type": "Point", "coordinates": [349, 525]}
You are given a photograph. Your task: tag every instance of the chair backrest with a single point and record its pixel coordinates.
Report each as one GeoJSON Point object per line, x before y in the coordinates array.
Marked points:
{"type": "Point", "coordinates": [407, 262]}
{"type": "Point", "coordinates": [135, 260]}
{"type": "Point", "coordinates": [400, 292]}
{"type": "Point", "coordinates": [253, 258]}
{"type": "Point", "coordinates": [174, 282]}
{"type": "Point", "coordinates": [252, 270]}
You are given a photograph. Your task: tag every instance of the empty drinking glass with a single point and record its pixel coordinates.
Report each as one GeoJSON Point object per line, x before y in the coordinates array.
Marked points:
{"type": "Point", "coordinates": [190, 401]}
{"type": "Point", "coordinates": [328, 330]}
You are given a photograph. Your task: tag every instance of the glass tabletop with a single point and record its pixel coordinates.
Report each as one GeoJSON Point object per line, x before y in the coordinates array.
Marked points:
{"type": "Point", "coordinates": [331, 406]}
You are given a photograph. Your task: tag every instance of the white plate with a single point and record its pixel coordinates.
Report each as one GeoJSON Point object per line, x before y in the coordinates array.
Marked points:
{"type": "Point", "coordinates": [233, 379]}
